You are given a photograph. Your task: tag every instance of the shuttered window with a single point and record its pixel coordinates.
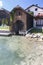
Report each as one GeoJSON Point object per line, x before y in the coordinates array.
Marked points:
{"type": "Point", "coordinates": [39, 22]}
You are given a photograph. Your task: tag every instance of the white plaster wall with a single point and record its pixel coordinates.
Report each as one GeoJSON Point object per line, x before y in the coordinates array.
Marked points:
{"type": "Point", "coordinates": [35, 12]}
{"type": "Point", "coordinates": [34, 23]}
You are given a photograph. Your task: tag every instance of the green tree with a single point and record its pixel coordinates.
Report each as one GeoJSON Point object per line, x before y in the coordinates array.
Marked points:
{"type": "Point", "coordinates": [6, 21]}
{"type": "Point", "coordinates": [31, 13]}
{"type": "Point", "coordinates": [3, 21]}
{"type": "Point", "coordinates": [11, 19]}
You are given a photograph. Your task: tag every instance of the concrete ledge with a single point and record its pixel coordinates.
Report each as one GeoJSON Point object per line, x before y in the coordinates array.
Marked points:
{"type": "Point", "coordinates": [5, 32]}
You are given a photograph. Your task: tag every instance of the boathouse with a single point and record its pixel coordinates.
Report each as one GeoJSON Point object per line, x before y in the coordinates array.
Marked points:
{"type": "Point", "coordinates": [22, 20]}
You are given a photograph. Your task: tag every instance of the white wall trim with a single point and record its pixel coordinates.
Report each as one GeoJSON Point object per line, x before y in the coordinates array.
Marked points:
{"type": "Point", "coordinates": [29, 30]}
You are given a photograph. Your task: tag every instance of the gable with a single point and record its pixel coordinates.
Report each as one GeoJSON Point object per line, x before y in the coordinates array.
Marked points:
{"type": "Point", "coordinates": [32, 8]}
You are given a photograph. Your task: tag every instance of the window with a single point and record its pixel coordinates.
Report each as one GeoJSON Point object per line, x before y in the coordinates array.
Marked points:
{"type": "Point", "coordinates": [18, 13]}
{"type": "Point", "coordinates": [28, 10]}
{"type": "Point", "coordinates": [36, 9]}
{"type": "Point", "coordinates": [39, 22]}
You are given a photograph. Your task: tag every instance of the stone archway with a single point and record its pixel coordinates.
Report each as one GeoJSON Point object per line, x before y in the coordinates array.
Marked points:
{"type": "Point", "coordinates": [18, 26]}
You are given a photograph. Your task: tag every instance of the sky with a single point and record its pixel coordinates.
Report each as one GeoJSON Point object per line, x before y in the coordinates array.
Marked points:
{"type": "Point", "coordinates": [10, 4]}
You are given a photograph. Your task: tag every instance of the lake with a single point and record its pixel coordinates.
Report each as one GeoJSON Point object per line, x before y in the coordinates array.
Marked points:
{"type": "Point", "coordinates": [18, 50]}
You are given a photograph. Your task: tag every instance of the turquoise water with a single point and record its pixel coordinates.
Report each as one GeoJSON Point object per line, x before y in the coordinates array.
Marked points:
{"type": "Point", "coordinates": [9, 51]}
{"type": "Point", "coordinates": [19, 50]}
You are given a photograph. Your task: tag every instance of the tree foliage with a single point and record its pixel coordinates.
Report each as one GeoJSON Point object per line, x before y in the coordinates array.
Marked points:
{"type": "Point", "coordinates": [3, 21]}
{"type": "Point", "coordinates": [31, 13]}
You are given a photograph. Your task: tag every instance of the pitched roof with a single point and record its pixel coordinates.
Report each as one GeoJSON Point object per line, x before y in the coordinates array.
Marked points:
{"type": "Point", "coordinates": [35, 6]}
{"type": "Point", "coordinates": [4, 13]}
{"type": "Point", "coordinates": [18, 7]}
{"type": "Point", "coordinates": [2, 9]}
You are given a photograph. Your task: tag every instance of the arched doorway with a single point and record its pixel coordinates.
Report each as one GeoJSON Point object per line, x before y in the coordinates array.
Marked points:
{"type": "Point", "coordinates": [18, 26]}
